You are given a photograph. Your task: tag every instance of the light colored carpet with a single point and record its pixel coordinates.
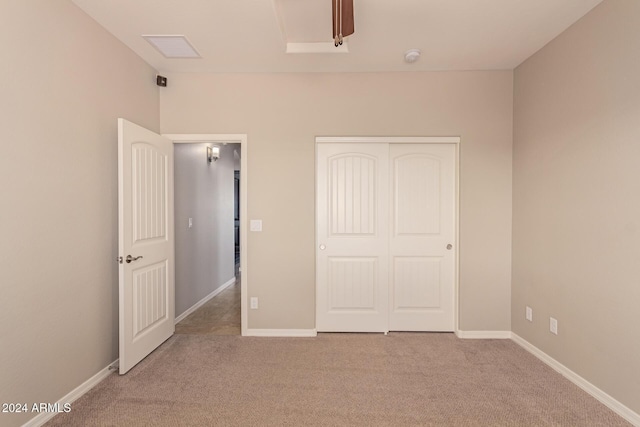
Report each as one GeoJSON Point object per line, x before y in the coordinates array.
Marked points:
{"type": "Point", "coordinates": [403, 379]}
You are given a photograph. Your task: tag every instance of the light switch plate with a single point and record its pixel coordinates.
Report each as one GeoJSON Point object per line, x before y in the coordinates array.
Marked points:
{"type": "Point", "coordinates": [255, 225]}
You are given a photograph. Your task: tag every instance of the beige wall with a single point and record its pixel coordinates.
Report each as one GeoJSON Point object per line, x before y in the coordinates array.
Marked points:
{"type": "Point", "coordinates": [282, 114]}
{"type": "Point", "coordinates": [577, 198]}
{"type": "Point", "coordinates": [63, 82]}
{"type": "Point", "coordinates": [576, 211]}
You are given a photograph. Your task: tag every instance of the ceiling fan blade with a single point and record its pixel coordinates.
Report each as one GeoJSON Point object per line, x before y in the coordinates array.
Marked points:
{"type": "Point", "coordinates": [347, 18]}
{"type": "Point", "coordinates": [345, 15]}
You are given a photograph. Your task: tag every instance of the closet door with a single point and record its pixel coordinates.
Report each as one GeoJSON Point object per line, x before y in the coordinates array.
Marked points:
{"type": "Point", "coordinates": [422, 237]}
{"type": "Point", "coordinates": [385, 259]}
{"type": "Point", "coordinates": [352, 208]}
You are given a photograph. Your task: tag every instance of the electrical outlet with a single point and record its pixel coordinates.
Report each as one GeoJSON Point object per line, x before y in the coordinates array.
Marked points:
{"type": "Point", "coordinates": [553, 325]}
{"type": "Point", "coordinates": [190, 223]}
{"type": "Point", "coordinates": [254, 303]}
{"type": "Point", "coordinates": [529, 314]}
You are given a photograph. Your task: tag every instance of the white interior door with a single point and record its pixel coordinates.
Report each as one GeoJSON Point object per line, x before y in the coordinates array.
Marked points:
{"type": "Point", "coordinates": [386, 237]}
{"type": "Point", "coordinates": [422, 252]}
{"type": "Point", "coordinates": [146, 247]}
{"type": "Point", "coordinates": [352, 237]}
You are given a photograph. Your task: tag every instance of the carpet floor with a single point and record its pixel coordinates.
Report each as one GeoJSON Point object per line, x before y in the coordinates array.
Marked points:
{"type": "Point", "coordinates": [218, 316]}
{"type": "Point", "coordinates": [403, 379]}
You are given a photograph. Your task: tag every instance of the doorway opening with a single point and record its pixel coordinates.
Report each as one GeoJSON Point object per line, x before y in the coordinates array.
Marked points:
{"type": "Point", "coordinates": [234, 148]}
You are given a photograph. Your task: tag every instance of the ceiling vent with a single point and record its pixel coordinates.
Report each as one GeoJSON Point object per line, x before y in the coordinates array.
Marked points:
{"type": "Point", "coordinates": [173, 46]}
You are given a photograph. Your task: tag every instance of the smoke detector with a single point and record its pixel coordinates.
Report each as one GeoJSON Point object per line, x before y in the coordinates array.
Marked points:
{"type": "Point", "coordinates": [411, 56]}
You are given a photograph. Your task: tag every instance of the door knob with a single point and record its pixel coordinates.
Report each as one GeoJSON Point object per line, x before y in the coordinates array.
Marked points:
{"type": "Point", "coordinates": [323, 247]}
{"type": "Point", "coordinates": [449, 246]}
{"type": "Point", "coordinates": [129, 258]}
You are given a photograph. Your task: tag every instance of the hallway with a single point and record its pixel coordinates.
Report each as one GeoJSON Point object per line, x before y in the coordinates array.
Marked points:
{"type": "Point", "coordinates": [219, 316]}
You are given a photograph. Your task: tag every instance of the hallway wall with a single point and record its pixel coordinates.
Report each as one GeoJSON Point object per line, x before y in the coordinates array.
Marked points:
{"type": "Point", "coordinates": [203, 191]}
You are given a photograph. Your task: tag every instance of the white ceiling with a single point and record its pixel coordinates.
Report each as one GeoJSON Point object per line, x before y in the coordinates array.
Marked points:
{"type": "Point", "coordinates": [252, 35]}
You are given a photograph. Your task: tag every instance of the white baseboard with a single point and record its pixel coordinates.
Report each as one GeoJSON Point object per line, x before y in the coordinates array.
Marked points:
{"type": "Point", "coordinates": [617, 407]}
{"type": "Point", "coordinates": [71, 397]}
{"type": "Point", "coordinates": [204, 300]}
{"type": "Point", "coordinates": [484, 335]}
{"type": "Point", "coordinates": [281, 333]}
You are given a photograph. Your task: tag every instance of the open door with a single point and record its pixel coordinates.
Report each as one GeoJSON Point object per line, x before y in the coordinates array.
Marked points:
{"type": "Point", "coordinates": [146, 242]}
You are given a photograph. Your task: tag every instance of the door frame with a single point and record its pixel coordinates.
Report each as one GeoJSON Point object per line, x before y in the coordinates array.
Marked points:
{"type": "Point", "coordinates": [412, 140]}
{"type": "Point", "coordinates": [241, 139]}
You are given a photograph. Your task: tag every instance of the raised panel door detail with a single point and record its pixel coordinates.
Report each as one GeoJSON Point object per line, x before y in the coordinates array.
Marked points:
{"type": "Point", "coordinates": [416, 283]}
{"type": "Point", "coordinates": [352, 211]}
{"type": "Point", "coordinates": [416, 186]}
{"type": "Point", "coordinates": [149, 171]}
{"type": "Point", "coordinates": [352, 283]}
{"type": "Point", "coordinates": [352, 195]}
{"type": "Point", "coordinates": [422, 269]}
{"type": "Point", "coordinates": [149, 297]}
{"type": "Point", "coordinates": [145, 232]}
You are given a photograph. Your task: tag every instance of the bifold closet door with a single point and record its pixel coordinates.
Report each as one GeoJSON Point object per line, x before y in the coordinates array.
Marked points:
{"type": "Point", "coordinates": [352, 197]}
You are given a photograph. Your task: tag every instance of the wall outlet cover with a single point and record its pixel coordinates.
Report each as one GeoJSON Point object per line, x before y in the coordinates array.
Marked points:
{"type": "Point", "coordinates": [255, 225]}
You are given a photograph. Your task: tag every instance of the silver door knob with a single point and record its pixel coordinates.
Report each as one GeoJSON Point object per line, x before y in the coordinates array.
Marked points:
{"type": "Point", "coordinates": [449, 246]}
{"type": "Point", "coordinates": [130, 258]}
{"type": "Point", "coordinates": [323, 247]}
